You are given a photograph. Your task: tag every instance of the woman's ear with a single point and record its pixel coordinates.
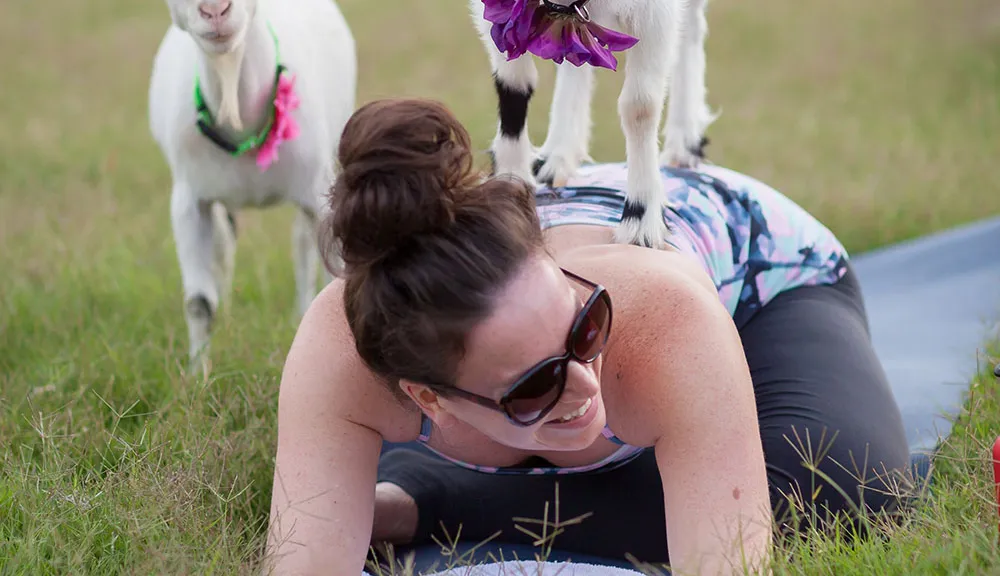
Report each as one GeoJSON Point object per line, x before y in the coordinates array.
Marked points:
{"type": "Point", "coordinates": [429, 402]}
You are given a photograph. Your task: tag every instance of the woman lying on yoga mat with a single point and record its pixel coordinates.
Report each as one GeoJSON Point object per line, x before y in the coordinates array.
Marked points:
{"type": "Point", "coordinates": [675, 394]}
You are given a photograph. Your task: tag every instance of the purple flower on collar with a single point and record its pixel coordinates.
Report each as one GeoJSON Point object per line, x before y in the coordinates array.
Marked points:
{"type": "Point", "coordinates": [521, 26]}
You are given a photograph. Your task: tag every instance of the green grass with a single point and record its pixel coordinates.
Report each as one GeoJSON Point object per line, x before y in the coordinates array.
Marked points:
{"type": "Point", "coordinates": [880, 117]}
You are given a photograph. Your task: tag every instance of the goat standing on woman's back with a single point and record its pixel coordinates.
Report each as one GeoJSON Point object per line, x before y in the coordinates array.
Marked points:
{"type": "Point", "coordinates": [665, 39]}
{"type": "Point", "coordinates": [247, 102]}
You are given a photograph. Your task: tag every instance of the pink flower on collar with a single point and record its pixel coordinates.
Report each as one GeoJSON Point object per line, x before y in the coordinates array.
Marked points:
{"type": "Point", "coordinates": [283, 127]}
{"type": "Point", "coordinates": [521, 26]}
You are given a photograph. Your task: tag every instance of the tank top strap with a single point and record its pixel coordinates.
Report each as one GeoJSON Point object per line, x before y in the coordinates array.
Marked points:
{"type": "Point", "coordinates": [620, 457]}
{"type": "Point", "coordinates": [425, 428]}
{"type": "Point", "coordinates": [426, 425]}
{"type": "Point", "coordinates": [607, 433]}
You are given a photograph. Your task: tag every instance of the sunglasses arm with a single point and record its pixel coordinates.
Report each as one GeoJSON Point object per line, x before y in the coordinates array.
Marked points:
{"type": "Point", "coordinates": [481, 400]}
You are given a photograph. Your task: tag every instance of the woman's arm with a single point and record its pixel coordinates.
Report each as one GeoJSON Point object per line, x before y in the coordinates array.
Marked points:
{"type": "Point", "coordinates": [328, 447]}
{"type": "Point", "coordinates": [322, 500]}
{"type": "Point", "coordinates": [691, 393]}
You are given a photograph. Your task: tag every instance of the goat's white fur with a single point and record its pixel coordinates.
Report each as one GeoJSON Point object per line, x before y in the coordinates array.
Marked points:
{"type": "Point", "coordinates": [237, 79]}
{"type": "Point", "coordinates": [670, 55]}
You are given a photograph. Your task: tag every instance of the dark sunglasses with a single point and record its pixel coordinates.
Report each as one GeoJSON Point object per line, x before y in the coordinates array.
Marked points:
{"type": "Point", "coordinates": [537, 391]}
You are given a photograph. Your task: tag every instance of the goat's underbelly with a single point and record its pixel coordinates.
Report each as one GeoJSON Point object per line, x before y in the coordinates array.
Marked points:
{"type": "Point", "coordinates": [247, 187]}
{"type": "Point", "coordinates": [246, 197]}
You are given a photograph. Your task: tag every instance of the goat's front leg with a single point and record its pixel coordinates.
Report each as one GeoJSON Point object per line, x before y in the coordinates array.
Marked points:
{"type": "Point", "coordinates": [688, 114]}
{"type": "Point", "coordinates": [640, 108]}
{"type": "Point", "coordinates": [515, 82]}
{"type": "Point", "coordinates": [191, 221]}
{"type": "Point", "coordinates": [567, 143]}
{"type": "Point", "coordinates": [512, 151]}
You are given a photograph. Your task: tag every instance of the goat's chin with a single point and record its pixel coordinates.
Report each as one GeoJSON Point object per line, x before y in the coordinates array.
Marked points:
{"type": "Point", "coordinates": [214, 49]}
{"type": "Point", "coordinates": [218, 46]}
{"type": "Point", "coordinates": [214, 44]}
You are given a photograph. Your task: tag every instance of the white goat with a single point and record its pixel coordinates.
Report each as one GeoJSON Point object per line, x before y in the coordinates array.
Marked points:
{"type": "Point", "coordinates": [231, 50]}
{"type": "Point", "coordinates": [669, 54]}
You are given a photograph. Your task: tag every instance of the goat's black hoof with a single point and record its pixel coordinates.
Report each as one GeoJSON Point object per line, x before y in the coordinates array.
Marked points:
{"type": "Point", "coordinates": [536, 166]}
{"type": "Point", "coordinates": [996, 370]}
{"type": "Point", "coordinates": [699, 150]}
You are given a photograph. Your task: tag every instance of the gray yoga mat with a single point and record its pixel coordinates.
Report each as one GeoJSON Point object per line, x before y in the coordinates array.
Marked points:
{"type": "Point", "coordinates": [933, 302]}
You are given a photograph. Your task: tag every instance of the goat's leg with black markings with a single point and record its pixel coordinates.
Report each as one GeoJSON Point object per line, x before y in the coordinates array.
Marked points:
{"type": "Point", "coordinates": [640, 108]}
{"type": "Point", "coordinates": [515, 82]}
{"type": "Point", "coordinates": [204, 264]}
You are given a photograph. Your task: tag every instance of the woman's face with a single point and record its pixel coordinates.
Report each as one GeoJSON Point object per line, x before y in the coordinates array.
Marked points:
{"type": "Point", "coordinates": [531, 322]}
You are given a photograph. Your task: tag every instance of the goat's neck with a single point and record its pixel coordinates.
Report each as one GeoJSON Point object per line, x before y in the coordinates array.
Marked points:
{"type": "Point", "coordinates": [237, 86]}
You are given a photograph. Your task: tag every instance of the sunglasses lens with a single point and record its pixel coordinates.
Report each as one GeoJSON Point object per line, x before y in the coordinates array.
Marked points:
{"type": "Point", "coordinates": [592, 333]}
{"type": "Point", "coordinates": [533, 398]}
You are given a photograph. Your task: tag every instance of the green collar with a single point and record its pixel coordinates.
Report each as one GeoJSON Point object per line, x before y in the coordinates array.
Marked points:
{"type": "Point", "coordinates": [207, 125]}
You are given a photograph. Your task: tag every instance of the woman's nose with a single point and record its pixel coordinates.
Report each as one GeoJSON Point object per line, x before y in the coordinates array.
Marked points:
{"type": "Point", "coordinates": [582, 382]}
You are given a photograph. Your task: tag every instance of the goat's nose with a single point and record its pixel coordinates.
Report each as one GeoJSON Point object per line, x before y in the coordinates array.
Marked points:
{"type": "Point", "coordinates": [214, 10]}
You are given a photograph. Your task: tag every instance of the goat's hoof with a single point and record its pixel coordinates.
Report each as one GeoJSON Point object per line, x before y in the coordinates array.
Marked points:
{"type": "Point", "coordinates": [699, 150]}
{"type": "Point", "coordinates": [685, 157]}
{"type": "Point", "coordinates": [200, 364]}
{"type": "Point", "coordinates": [641, 227]}
{"type": "Point", "coordinates": [554, 170]}
{"type": "Point", "coordinates": [536, 166]}
{"type": "Point", "coordinates": [524, 174]}
{"type": "Point", "coordinates": [206, 366]}
{"type": "Point", "coordinates": [545, 178]}
{"type": "Point", "coordinates": [200, 317]}
{"type": "Point", "coordinates": [200, 361]}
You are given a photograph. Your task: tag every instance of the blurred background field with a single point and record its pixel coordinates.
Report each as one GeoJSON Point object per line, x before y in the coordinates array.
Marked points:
{"type": "Point", "coordinates": [879, 117]}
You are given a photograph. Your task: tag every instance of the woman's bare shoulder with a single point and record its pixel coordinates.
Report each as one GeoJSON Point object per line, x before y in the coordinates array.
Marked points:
{"type": "Point", "coordinates": [666, 314]}
{"type": "Point", "coordinates": [324, 369]}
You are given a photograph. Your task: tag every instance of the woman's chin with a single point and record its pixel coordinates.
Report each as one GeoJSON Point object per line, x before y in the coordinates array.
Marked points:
{"type": "Point", "coordinates": [576, 434]}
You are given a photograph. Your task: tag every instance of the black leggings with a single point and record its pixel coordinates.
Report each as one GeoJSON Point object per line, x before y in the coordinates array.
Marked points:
{"type": "Point", "coordinates": [822, 397]}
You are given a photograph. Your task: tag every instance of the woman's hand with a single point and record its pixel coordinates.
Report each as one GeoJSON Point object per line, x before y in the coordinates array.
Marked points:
{"type": "Point", "coordinates": [396, 515]}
